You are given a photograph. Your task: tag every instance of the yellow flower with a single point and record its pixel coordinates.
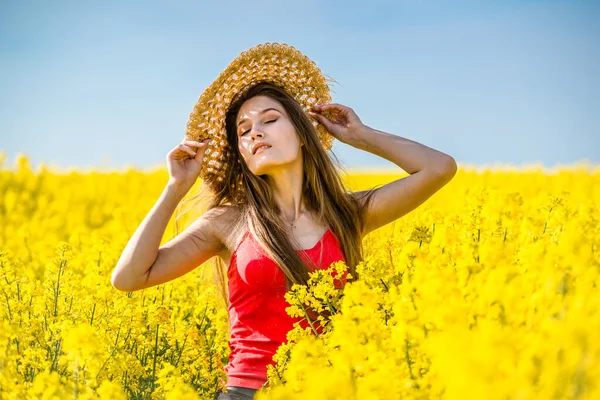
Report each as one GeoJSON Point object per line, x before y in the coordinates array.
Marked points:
{"type": "Point", "coordinates": [487, 290]}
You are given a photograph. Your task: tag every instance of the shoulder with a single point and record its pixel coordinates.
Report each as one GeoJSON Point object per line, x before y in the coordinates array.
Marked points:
{"type": "Point", "coordinates": [362, 196]}
{"type": "Point", "coordinates": [225, 227]}
{"type": "Point", "coordinates": [364, 203]}
{"type": "Point", "coordinates": [223, 220]}
{"type": "Point", "coordinates": [223, 215]}
{"type": "Point", "coordinates": [223, 211]}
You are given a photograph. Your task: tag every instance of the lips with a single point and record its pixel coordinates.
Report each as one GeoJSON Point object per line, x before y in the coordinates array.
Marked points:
{"type": "Point", "coordinates": [259, 146]}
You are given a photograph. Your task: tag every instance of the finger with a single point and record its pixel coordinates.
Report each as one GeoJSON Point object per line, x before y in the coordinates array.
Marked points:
{"type": "Point", "coordinates": [317, 107]}
{"type": "Point", "coordinates": [329, 119]}
{"type": "Point", "coordinates": [322, 119]}
{"type": "Point", "coordinates": [330, 106]}
{"type": "Point", "coordinates": [186, 149]}
{"type": "Point", "coordinates": [199, 155]}
{"type": "Point", "coordinates": [195, 143]}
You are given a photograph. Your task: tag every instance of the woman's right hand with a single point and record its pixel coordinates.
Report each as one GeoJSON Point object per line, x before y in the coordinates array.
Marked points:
{"type": "Point", "coordinates": [184, 163]}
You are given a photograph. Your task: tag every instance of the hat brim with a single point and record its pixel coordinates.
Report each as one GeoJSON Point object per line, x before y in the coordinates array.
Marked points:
{"type": "Point", "coordinates": [280, 64]}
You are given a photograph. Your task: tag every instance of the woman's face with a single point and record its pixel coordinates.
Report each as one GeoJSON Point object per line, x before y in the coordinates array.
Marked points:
{"type": "Point", "coordinates": [262, 119]}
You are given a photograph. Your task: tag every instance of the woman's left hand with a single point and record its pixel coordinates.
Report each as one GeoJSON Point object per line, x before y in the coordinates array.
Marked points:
{"type": "Point", "coordinates": [341, 121]}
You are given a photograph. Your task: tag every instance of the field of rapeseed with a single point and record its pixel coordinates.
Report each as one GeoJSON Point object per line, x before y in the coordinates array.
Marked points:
{"type": "Point", "coordinates": [489, 290]}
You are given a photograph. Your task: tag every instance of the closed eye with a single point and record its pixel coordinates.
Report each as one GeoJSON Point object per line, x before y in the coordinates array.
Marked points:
{"type": "Point", "coordinates": [273, 120]}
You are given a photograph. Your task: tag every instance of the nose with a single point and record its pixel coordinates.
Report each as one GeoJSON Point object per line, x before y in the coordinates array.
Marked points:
{"type": "Point", "coordinates": [255, 132]}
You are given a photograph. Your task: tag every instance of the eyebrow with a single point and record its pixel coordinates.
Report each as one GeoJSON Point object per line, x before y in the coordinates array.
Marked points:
{"type": "Point", "coordinates": [262, 112]}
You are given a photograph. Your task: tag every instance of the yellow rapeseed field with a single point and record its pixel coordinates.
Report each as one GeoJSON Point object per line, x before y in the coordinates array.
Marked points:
{"type": "Point", "coordinates": [489, 290]}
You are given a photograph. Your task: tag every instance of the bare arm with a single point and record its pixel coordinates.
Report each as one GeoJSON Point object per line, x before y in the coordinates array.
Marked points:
{"type": "Point", "coordinates": [429, 171]}
{"type": "Point", "coordinates": [143, 264]}
{"type": "Point", "coordinates": [142, 249]}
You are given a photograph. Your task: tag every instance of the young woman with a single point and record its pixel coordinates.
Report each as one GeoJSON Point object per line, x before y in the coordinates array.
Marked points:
{"type": "Point", "coordinates": [278, 207]}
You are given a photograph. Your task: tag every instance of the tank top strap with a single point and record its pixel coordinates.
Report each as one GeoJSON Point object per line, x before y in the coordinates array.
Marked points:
{"type": "Point", "coordinates": [244, 236]}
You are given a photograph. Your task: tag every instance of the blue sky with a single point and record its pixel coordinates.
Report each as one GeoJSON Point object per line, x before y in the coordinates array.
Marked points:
{"type": "Point", "coordinates": [111, 84]}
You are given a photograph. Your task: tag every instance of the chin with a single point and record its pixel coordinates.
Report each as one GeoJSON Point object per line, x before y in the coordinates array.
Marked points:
{"type": "Point", "coordinates": [267, 166]}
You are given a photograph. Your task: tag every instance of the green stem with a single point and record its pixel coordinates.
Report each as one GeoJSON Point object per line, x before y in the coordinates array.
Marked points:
{"type": "Point", "coordinates": [331, 308]}
{"type": "Point", "coordinates": [155, 354]}
{"type": "Point", "coordinates": [307, 317]}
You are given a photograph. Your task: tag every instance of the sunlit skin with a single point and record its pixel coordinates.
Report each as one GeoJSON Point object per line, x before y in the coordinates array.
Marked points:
{"type": "Point", "coordinates": [282, 163]}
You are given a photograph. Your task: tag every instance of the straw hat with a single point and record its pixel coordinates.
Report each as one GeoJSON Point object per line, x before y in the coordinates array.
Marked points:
{"type": "Point", "coordinates": [280, 64]}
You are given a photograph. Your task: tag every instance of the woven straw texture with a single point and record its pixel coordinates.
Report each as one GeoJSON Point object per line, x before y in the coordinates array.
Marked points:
{"type": "Point", "coordinates": [280, 64]}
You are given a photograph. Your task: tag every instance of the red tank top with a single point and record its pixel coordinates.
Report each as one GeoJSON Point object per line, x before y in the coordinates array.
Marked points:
{"type": "Point", "coordinates": [257, 316]}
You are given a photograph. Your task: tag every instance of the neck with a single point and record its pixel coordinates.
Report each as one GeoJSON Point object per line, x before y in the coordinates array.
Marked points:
{"type": "Point", "coordinates": [287, 191]}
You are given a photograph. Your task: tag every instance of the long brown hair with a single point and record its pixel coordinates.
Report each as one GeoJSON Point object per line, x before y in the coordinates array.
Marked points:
{"type": "Point", "coordinates": [324, 191]}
